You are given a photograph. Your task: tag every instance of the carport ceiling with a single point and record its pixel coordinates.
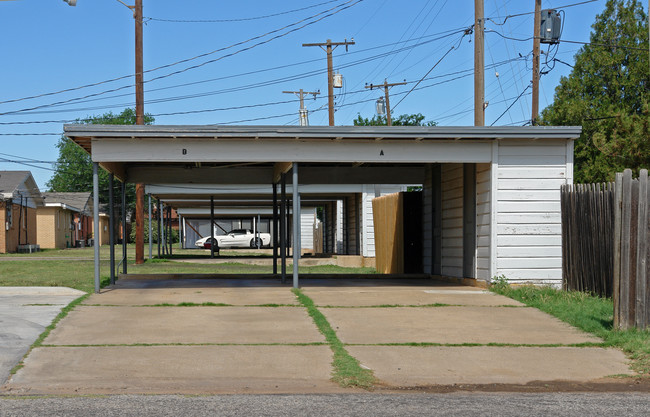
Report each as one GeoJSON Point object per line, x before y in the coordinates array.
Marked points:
{"type": "Point", "coordinates": [177, 154]}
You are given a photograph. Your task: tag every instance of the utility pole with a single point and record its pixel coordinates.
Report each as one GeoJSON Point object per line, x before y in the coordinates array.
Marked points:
{"type": "Point", "coordinates": [479, 65]}
{"type": "Point", "coordinates": [304, 119]}
{"type": "Point", "coordinates": [536, 42]}
{"type": "Point", "coordinates": [139, 120]}
{"type": "Point", "coordinates": [386, 85]}
{"type": "Point", "coordinates": [330, 46]}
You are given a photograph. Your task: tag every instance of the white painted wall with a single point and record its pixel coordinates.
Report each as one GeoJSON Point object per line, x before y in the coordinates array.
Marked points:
{"type": "Point", "coordinates": [452, 220]}
{"type": "Point", "coordinates": [528, 220]}
{"type": "Point", "coordinates": [307, 221]}
{"type": "Point", "coordinates": [340, 247]}
{"type": "Point", "coordinates": [371, 191]}
{"type": "Point", "coordinates": [483, 222]}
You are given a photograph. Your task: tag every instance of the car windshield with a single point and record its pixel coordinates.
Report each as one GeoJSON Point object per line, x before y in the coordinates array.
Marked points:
{"type": "Point", "coordinates": [238, 232]}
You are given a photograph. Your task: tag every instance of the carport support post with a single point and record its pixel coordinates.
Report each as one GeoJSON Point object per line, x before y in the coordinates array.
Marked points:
{"type": "Point", "coordinates": [211, 226]}
{"type": "Point", "coordinates": [275, 229]}
{"type": "Point", "coordinates": [296, 224]}
{"type": "Point", "coordinates": [124, 237]}
{"type": "Point", "coordinates": [111, 225]}
{"type": "Point", "coordinates": [283, 226]}
{"type": "Point", "coordinates": [96, 222]}
{"type": "Point", "coordinates": [150, 227]}
{"type": "Point", "coordinates": [159, 225]}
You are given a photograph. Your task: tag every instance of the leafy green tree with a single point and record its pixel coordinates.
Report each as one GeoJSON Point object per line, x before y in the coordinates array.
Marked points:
{"type": "Point", "coordinates": [74, 169]}
{"type": "Point", "coordinates": [403, 120]}
{"type": "Point", "coordinates": [154, 232]}
{"type": "Point", "coordinates": [607, 93]}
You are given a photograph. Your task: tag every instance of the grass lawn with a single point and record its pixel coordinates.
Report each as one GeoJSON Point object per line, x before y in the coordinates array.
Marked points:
{"type": "Point", "coordinates": [79, 274]}
{"type": "Point", "coordinates": [104, 252]}
{"type": "Point", "coordinates": [591, 314]}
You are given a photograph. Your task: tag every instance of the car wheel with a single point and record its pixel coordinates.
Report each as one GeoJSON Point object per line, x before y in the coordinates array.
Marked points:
{"type": "Point", "coordinates": [254, 243]}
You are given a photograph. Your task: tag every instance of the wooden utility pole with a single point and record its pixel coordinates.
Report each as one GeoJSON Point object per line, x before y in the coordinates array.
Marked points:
{"type": "Point", "coordinates": [386, 85]}
{"type": "Point", "coordinates": [536, 41]}
{"type": "Point", "coordinates": [304, 120]}
{"type": "Point", "coordinates": [330, 46]}
{"type": "Point", "coordinates": [479, 65]}
{"type": "Point", "coordinates": [139, 120]}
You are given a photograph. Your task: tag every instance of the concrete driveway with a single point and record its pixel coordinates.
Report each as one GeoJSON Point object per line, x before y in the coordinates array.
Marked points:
{"type": "Point", "coordinates": [25, 312]}
{"type": "Point", "coordinates": [246, 335]}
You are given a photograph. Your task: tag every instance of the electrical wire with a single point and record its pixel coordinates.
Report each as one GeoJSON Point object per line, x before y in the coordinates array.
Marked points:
{"type": "Point", "coordinates": [605, 45]}
{"type": "Point", "coordinates": [466, 72]}
{"type": "Point", "coordinates": [245, 19]}
{"type": "Point", "coordinates": [235, 88]}
{"type": "Point", "coordinates": [511, 104]}
{"type": "Point", "coordinates": [505, 18]}
{"type": "Point", "coordinates": [467, 32]}
{"type": "Point", "coordinates": [333, 10]}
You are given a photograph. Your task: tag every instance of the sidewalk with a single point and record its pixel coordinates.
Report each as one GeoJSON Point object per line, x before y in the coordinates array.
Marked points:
{"type": "Point", "coordinates": [253, 336]}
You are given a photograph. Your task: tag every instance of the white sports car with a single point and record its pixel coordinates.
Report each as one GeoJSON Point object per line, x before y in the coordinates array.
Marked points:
{"type": "Point", "coordinates": [237, 238]}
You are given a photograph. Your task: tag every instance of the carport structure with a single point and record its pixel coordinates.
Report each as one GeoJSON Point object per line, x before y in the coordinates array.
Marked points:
{"type": "Point", "coordinates": [491, 202]}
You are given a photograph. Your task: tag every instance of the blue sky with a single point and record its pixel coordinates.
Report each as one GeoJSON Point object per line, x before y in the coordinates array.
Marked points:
{"type": "Point", "coordinates": [49, 46]}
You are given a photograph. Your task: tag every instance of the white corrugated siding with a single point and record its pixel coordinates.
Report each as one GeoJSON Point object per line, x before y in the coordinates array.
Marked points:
{"type": "Point", "coordinates": [529, 236]}
{"type": "Point", "coordinates": [368, 225]}
{"type": "Point", "coordinates": [452, 220]}
{"type": "Point", "coordinates": [483, 222]}
{"type": "Point", "coordinates": [307, 220]}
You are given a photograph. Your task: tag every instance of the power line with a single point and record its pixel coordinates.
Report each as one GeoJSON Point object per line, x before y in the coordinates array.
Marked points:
{"type": "Point", "coordinates": [468, 31]}
{"type": "Point", "coordinates": [505, 18]}
{"type": "Point", "coordinates": [605, 45]}
{"type": "Point", "coordinates": [511, 104]}
{"type": "Point", "coordinates": [467, 72]}
{"type": "Point", "coordinates": [333, 10]}
{"type": "Point", "coordinates": [231, 89]}
{"type": "Point", "coordinates": [244, 19]}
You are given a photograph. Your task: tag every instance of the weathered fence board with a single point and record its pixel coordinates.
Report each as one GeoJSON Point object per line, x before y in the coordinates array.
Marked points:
{"type": "Point", "coordinates": [587, 233]}
{"type": "Point", "coordinates": [632, 300]}
{"type": "Point", "coordinates": [605, 248]}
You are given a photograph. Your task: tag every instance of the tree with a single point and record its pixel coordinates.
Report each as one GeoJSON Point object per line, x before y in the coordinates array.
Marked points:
{"type": "Point", "coordinates": [74, 168]}
{"type": "Point", "coordinates": [403, 120]}
{"type": "Point", "coordinates": [607, 93]}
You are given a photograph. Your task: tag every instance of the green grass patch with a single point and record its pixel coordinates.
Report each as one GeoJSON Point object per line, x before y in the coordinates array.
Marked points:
{"type": "Point", "coordinates": [347, 369]}
{"type": "Point", "coordinates": [592, 314]}
{"type": "Point", "coordinates": [188, 304]}
{"type": "Point", "coordinates": [79, 274]}
{"type": "Point", "coordinates": [492, 344]}
{"type": "Point", "coordinates": [185, 344]}
{"type": "Point", "coordinates": [39, 341]}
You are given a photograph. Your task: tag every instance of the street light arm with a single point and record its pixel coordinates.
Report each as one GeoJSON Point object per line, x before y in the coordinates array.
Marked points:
{"type": "Point", "coordinates": [74, 3]}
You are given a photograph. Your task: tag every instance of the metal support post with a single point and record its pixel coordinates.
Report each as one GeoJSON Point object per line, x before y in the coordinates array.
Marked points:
{"type": "Point", "coordinates": [283, 226]}
{"type": "Point", "coordinates": [111, 225]}
{"type": "Point", "coordinates": [124, 234]}
{"type": "Point", "coordinates": [211, 226]}
{"type": "Point", "coordinates": [159, 227]}
{"type": "Point", "coordinates": [275, 229]}
{"type": "Point", "coordinates": [296, 224]}
{"type": "Point", "coordinates": [150, 228]}
{"type": "Point", "coordinates": [96, 222]}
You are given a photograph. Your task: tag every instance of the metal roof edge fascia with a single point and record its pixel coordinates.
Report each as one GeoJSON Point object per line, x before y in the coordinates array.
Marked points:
{"type": "Point", "coordinates": [324, 132]}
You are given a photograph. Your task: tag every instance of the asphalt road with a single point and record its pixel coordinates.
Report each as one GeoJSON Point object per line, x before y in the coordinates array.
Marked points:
{"type": "Point", "coordinates": [479, 404]}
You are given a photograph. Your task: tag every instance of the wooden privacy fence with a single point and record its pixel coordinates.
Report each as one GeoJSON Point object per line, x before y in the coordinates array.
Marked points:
{"type": "Point", "coordinates": [588, 238]}
{"type": "Point", "coordinates": [631, 251]}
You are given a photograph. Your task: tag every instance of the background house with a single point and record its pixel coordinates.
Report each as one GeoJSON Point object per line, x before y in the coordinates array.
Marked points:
{"type": "Point", "coordinates": [65, 220]}
{"type": "Point", "coordinates": [19, 200]}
